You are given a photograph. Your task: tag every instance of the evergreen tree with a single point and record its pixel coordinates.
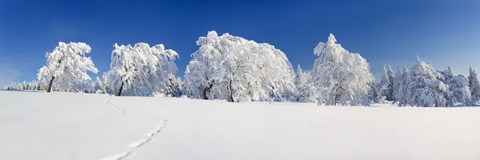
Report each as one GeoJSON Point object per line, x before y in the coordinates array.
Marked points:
{"type": "Point", "coordinates": [458, 91]}
{"type": "Point", "coordinates": [385, 86]}
{"type": "Point", "coordinates": [98, 86]}
{"type": "Point", "coordinates": [426, 87]}
{"type": "Point", "coordinates": [474, 85]}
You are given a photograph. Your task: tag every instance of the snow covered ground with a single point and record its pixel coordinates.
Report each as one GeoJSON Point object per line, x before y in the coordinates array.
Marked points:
{"type": "Point", "coordinates": [86, 126]}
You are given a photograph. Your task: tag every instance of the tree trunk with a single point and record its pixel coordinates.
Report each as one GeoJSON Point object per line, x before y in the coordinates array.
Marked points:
{"type": "Point", "coordinates": [205, 93]}
{"type": "Point", "coordinates": [206, 90]}
{"type": "Point", "coordinates": [120, 90]}
{"type": "Point", "coordinates": [334, 100]}
{"type": "Point", "coordinates": [50, 84]}
{"type": "Point", "coordinates": [230, 96]}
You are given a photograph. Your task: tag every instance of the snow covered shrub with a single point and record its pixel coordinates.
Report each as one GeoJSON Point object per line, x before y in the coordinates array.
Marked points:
{"type": "Point", "coordinates": [66, 68]}
{"type": "Point", "coordinates": [141, 70]}
{"type": "Point", "coordinates": [233, 68]}
{"type": "Point", "coordinates": [343, 78]}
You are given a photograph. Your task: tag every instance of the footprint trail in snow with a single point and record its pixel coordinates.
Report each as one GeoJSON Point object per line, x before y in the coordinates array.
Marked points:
{"type": "Point", "coordinates": [138, 143]}
{"type": "Point", "coordinates": [119, 110]}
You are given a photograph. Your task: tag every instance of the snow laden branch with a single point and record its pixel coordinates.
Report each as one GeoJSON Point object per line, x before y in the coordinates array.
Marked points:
{"type": "Point", "coordinates": [142, 70]}
{"type": "Point", "coordinates": [233, 68]}
{"type": "Point", "coordinates": [341, 77]}
{"type": "Point", "coordinates": [66, 67]}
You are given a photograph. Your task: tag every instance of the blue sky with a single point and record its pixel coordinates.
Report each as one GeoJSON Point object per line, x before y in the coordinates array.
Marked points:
{"type": "Point", "coordinates": [444, 33]}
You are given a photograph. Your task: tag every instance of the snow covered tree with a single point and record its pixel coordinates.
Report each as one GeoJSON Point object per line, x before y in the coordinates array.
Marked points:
{"type": "Point", "coordinates": [67, 67]}
{"type": "Point", "coordinates": [385, 86]}
{"type": "Point", "coordinates": [474, 85]}
{"type": "Point", "coordinates": [105, 86]}
{"type": "Point", "coordinates": [447, 74]}
{"type": "Point", "coordinates": [233, 68]}
{"type": "Point", "coordinates": [305, 89]}
{"type": "Point", "coordinates": [174, 86]}
{"type": "Point", "coordinates": [13, 87]}
{"type": "Point", "coordinates": [140, 70]}
{"type": "Point", "coordinates": [458, 91]}
{"type": "Point", "coordinates": [400, 86]}
{"type": "Point", "coordinates": [32, 86]}
{"type": "Point", "coordinates": [372, 93]}
{"type": "Point", "coordinates": [98, 86]}
{"type": "Point", "coordinates": [426, 87]}
{"type": "Point", "coordinates": [343, 78]}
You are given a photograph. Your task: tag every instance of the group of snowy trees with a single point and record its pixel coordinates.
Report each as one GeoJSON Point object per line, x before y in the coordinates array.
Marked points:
{"type": "Point", "coordinates": [423, 86]}
{"type": "Point", "coordinates": [28, 86]}
{"type": "Point", "coordinates": [135, 71]}
{"type": "Point", "coordinates": [237, 70]}
{"type": "Point", "coordinates": [88, 86]}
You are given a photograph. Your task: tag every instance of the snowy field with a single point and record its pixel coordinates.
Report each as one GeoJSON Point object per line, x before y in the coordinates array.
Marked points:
{"type": "Point", "coordinates": [86, 126]}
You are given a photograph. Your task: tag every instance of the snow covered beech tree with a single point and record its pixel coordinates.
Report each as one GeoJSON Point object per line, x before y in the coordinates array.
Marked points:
{"type": "Point", "coordinates": [458, 91]}
{"type": "Point", "coordinates": [233, 68]}
{"type": "Point", "coordinates": [67, 66]}
{"type": "Point", "coordinates": [474, 85]}
{"type": "Point", "coordinates": [305, 89]}
{"type": "Point", "coordinates": [385, 86]}
{"type": "Point", "coordinates": [343, 78]}
{"type": "Point", "coordinates": [141, 70]}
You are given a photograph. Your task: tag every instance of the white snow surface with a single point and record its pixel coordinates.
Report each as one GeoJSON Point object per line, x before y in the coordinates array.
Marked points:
{"type": "Point", "coordinates": [35, 125]}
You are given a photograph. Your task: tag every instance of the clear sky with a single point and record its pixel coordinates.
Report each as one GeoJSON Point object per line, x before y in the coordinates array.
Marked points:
{"type": "Point", "coordinates": [444, 33]}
